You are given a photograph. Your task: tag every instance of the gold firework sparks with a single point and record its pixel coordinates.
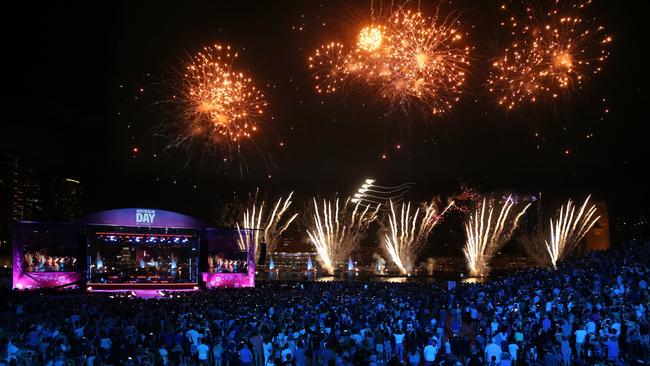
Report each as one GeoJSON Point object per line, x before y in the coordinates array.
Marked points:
{"type": "Point", "coordinates": [336, 231]}
{"type": "Point", "coordinates": [486, 235]}
{"type": "Point", "coordinates": [407, 233]}
{"type": "Point", "coordinates": [568, 229]}
{"type": "Point", "coordinates": [266, 227]}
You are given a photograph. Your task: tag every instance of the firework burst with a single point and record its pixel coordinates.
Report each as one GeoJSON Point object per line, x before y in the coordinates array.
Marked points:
{"type": "Point", "coordinates": [220, 105]}
{"type": "Point", "coordinates": [370, 38]}
{"type": "Point", "coordinates": [553, 52]}
{"type": "Point", "coordinates": [486, 235]}
{"type": "Point", "coordinates": [407, 233]}
{"type": "Point", "coordinates": [568, 229]}
{"type": "Point", "coordinates": [329, 65]}
{"type": "Point", "coordinates": [267, 228]}
{"type": "Point", "coordinates": [428, 62]}
{"type": "Point", "coordinates": [336, 231]}
{"type": "Point", "coordinates": [406, 58]}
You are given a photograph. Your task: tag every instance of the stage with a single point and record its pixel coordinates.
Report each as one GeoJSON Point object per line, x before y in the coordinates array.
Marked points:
{"type": "Point", "coordinates": [137, 249]}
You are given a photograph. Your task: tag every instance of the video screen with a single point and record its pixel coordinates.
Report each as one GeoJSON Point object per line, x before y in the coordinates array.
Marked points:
{"type": "Point", "coordinates": [49, 247]}
{"type": "Point", "coordinates": [227, 251]}
{"type": "Point", "coordinates": [123, 257]}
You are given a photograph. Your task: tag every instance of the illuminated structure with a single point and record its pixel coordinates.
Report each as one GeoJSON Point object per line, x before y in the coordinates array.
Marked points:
{"type": "Point", "coordinates": [128, 249]}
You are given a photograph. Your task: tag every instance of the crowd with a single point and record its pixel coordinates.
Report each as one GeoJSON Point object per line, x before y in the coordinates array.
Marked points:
{"type": "Point", "coordinates": [592, 310]}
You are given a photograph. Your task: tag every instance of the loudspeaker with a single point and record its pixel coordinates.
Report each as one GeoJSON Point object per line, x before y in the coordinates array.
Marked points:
{"type": "Point", "coordinates": [262, 257]}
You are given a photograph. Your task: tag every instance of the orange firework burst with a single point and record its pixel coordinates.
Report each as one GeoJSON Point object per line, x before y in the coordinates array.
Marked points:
{"type": "Point", "coordinates": [552, 53]}
{"type": "Point", "coordinates": [330, 67]}
{"type": "Point", "coordinates": [428, 61]}
{"type": "Point", "coordinates": [220, 105]}
{"type": "Point", "coordinates": [370, 38]}
{"type": "Point", "coordinates": [406, 58]}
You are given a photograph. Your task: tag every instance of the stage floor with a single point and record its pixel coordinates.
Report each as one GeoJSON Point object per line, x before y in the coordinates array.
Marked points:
{"type": "Point", "coordinates": [141, 286]}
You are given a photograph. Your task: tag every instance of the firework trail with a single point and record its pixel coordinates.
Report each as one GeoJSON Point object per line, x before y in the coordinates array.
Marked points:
{"type": "Point", "coordinates": [406, 58]}
{"type": "Point", "coordinates": [486, 235]}
{"type": "Point", "coordinates": [371, 194]}
{"type": "Point", "coordinates": [337, 230]}
{"type": "Point", "coordinates": [219, 104]}
{"type": "Point", "coordinates": [552, 53]}
{"type": "Point", "coordinates": [407, 234]}
{"type": "Point", "coordinates": [568, 229]}
{"type": "Point", "coordinates": [267, 228]}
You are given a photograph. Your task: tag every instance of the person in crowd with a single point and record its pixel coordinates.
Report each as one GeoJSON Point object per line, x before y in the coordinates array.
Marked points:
{"type": "Point", "coordinates": [414, 356]}
{"type": "Point", "coordinates": [493, 352]}
{"type": "Point", "coordinates": [474, 358]}
{"type": "Point", "coordinates": [513, 349]}
{"type": "Point", "coordinates": [399, 343]}
{"type": "Point", "coordinates": [217, 353]}
{"type": "Point", "coordinates": [566, 351]}
{"type": "Point", "coordinates": [202, 352]}
{"type": "Point", "coordinates": [258, 350]}
{"type": "Point", "coordinates": [163, 355]}
{"type": "Point", "coordinates": [430, 352]}
{"type": "Point", "coordinates": [245, 356]}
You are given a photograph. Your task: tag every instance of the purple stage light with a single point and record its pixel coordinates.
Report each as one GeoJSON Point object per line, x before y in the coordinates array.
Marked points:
{"type": "Point", "coordinates": [216, 280]}
{"type": "Point", "coordinates": [35, 280]}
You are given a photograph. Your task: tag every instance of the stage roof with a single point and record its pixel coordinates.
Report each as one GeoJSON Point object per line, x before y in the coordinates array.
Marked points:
{"type": "Point", "coordinates": [143, 217]}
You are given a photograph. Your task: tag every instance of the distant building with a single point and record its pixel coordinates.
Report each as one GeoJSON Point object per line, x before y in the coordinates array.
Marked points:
{"type": "Point", "coordinates": [7, 171]}
{"type": "Point", "coordinates": [598, 238]}
{"type": "Point", "coordinates": [66, 199]}
{"type": "Point", "coordinates": [29, 202]}
{"type": "Point", "coordinates": [292, 244]}
{"type": "Point", "coordinates": [20, 195]}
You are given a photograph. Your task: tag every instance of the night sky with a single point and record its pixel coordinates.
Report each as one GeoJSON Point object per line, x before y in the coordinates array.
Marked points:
{"type": "Point", "coordinates": [75, 108]}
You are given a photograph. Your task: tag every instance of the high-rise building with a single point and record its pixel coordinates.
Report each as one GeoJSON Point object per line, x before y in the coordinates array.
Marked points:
{"type": "Point", "coordinates": [20, 196]}
{"type": "Point", "coordinates": [66, 199]}
{"type": "Point", "coordinates": [29, 203]}
{"type": "Point", "coordinates": [7, 177]}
